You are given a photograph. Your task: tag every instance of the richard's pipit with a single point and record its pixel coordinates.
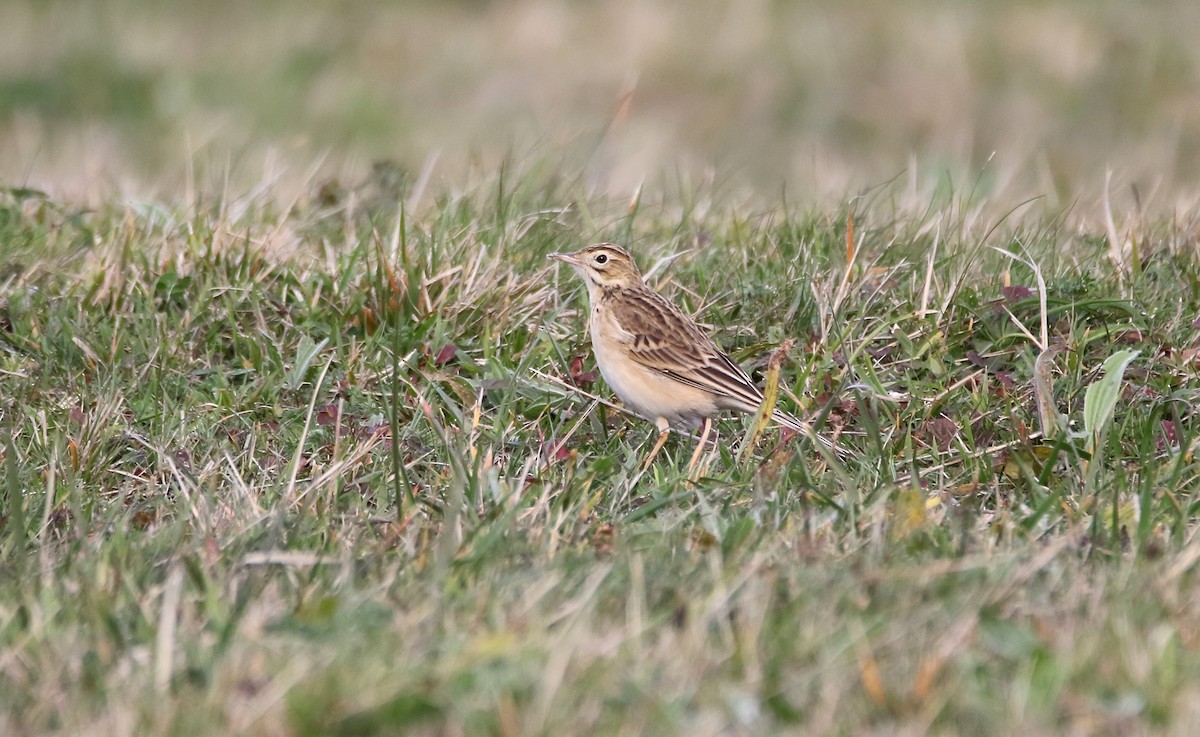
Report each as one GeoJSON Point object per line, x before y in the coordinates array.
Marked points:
{"type": "Point", "coordinates": [657, 359]}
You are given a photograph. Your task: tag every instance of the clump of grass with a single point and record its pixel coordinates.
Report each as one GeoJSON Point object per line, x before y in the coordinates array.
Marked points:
{"type": "Point", "coordinates": [344, 467]}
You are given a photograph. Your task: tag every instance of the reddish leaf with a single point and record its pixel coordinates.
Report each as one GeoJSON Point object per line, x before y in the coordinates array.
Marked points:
{"type": "Point", "coordinates": [981, 432]}
{"type": "Point", "coordinates": [880, 353]}
{"type": "Point", "coordinates": [327, 415]}
{"type": "Point", "coordinates": [578, 376]}
{"type": "Point", "coordinates": [248, 688]}
{"type": "Point", "coordinates": [992, 363]}
{"type": "Point", "coordinates": [1006, 380]}
{"type": "Point", "coordinates": [77, 416]}
{"type": "Point", "coordinates": [1133, 392]}
{"type": "Point", "coordinates": [447, 354]}
{"type": "Point", "coordinates": [212, 550]}
{"type": "Point", "coordinates": [1015, 293]}
{"type": "Point", "coordinates": [941, 431]}
{"type": "Point", "coordinates": [556, 451]}
{"type": "Point", "coordinates": [367, 320]}
{"type": "Point", "coordinates": [382, 430]}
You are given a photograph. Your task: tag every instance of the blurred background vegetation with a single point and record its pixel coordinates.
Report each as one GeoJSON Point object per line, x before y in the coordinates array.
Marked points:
{"type": "Point", "coordinates": [1021, 98]}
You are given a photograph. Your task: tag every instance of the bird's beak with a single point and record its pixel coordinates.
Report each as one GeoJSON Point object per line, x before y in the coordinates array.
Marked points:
{"type": "Point", "coordinates": [566, 258]}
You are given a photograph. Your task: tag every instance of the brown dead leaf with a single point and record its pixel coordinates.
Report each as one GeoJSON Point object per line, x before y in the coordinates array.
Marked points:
{"type": "Point", "coordinates": [871, 680]}
{"type": "Point", "coordinates": [603, 538]}
{"type": "Point", "coordinates": [328, 415]}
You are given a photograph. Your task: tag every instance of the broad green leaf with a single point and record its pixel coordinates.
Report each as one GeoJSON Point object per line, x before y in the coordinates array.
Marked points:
{"type": "Point", "coordinates": [306, 353]}
{"type": "Point", "coordinates": [1100, 399]}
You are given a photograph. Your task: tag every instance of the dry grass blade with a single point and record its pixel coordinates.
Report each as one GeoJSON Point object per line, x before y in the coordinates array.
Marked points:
{"type": "Point", "coordinates": [770, 397]}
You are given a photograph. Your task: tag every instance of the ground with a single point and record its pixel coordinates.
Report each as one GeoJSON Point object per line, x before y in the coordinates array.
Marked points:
{"type": "Point", "coordinates": [300, 433]}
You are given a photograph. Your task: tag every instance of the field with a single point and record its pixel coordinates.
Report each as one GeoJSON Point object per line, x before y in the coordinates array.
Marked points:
{"type": "Point", "coordinates": [300, 432]}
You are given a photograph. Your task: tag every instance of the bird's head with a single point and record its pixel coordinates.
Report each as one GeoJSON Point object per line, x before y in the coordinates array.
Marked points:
{"type": "Point", "coordinates": [604, 265]}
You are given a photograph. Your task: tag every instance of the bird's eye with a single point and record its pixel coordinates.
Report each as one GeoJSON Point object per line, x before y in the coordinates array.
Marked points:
{"type": "Point", "coordinates": [602, 259]}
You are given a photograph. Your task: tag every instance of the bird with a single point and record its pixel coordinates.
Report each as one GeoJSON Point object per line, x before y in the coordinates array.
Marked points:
{"type": "Point", "coordinates": [656, 359]}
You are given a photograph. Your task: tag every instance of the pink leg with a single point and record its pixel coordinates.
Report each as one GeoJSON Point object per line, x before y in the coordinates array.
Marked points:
{"type": "Point", "coordinates": [664, 429]}
{"type": "Point", "coordinates": [698, 453]}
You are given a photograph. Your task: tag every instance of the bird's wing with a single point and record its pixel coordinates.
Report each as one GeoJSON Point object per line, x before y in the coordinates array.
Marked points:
{"type": "Point", "coordinates": [660, 337]}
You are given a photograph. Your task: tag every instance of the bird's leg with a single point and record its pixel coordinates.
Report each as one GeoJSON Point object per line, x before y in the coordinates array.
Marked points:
{"type": "Point", "coordinates": [664, 429]}
{"type": "Point", "coordinates": [714, 449]}
{"type": "Point", "coordinates": [698, 453]}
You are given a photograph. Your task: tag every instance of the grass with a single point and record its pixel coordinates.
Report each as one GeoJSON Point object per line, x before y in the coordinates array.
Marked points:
{"type": "Point", "coordinates": [323, 470]}
{"type": "Point", "coordinates": [300, 433]}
